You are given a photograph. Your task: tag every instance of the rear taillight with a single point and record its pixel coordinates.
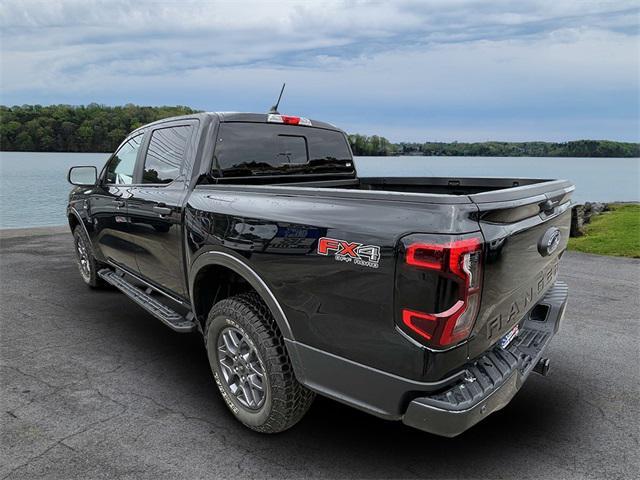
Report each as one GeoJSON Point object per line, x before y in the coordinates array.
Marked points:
{"type": "Point", "coordinates": [445, 315]}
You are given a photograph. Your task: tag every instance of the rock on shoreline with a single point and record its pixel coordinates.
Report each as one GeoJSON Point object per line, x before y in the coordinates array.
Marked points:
{"type": "Point", "coordinates": [582, 214]}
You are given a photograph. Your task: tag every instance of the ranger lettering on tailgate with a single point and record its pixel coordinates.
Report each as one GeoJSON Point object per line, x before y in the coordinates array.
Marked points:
{"type": "Point", "coordinates": [521, 304]}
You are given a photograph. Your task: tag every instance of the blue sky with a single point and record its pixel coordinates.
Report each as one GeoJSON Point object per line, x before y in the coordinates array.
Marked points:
{"type": "Point", "coordinates": [409, 70]}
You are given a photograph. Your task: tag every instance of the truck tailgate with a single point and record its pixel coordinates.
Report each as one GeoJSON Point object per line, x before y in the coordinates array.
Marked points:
{"type": "Point", "coordinates": [526, 230]}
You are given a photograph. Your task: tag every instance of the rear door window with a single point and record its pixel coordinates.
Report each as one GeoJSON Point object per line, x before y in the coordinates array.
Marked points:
{"type": "Point", "coordinates": [263, 149]}
{"type": "Point", "coordinates": [165, 154]}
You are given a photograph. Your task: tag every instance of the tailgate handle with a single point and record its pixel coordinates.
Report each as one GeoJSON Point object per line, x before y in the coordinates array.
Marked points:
{"type": "Point", "coordinates": [547, 207]}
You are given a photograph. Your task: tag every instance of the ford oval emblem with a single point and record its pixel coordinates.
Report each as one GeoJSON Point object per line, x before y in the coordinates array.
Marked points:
{"type": "Point", "coordinates": [549, 241]}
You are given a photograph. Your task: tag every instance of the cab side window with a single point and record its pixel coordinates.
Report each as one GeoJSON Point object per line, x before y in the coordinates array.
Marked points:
{"type": "Point", "coordinates": [165, 155]}
{"type": "Point", "coordinates": [122, 164]}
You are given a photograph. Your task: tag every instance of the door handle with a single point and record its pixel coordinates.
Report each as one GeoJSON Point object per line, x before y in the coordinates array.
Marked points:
{"type": "Point", "coordinates": [162, 210]}
{"type": "Point", "coordinates": [120, 203]}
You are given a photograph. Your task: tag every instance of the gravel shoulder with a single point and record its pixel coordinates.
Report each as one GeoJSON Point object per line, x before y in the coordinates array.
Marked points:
{"type": "Point", "coordinates": [91, 386]}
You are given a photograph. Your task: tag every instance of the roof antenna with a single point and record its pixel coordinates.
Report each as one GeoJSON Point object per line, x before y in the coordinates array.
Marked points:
{"type": "Point", "coordinates": [274, 109]}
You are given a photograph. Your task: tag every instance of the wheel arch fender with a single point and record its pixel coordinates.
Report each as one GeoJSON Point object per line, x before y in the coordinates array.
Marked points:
{"type": "Point", "coordinates": [74, 218]}
{"type": "Point", "coordinates": [239, 266]}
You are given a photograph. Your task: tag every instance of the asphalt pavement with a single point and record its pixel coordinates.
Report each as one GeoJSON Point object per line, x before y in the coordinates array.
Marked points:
{"type": "Point", "coordinates": [94, 387]}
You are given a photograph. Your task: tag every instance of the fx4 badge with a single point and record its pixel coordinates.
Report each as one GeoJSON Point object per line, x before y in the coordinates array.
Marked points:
{"type": "Point", "coordinates": [343, 251]}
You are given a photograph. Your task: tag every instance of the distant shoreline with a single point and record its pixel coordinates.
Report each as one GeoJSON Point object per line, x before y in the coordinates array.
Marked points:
{"type": "Point", "coordinates": [380, 146]}
{"type": "Point", "coordinates": [96, 128]}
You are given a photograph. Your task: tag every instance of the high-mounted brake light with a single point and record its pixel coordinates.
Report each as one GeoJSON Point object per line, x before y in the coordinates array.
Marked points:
{"type": "Point", "coordinates": [460, 261]}
{"type": "Point", "coordinates": [288, 119]}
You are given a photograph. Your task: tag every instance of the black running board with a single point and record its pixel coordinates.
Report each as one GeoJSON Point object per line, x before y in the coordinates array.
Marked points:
{"type": "Point", "coordinates": [166, 315]}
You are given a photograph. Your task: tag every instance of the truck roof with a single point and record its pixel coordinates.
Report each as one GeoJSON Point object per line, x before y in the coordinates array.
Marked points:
{"type": "Point", "coordinates": [262, 118]}
{"type": "Point", "coordinates": [234, 117]}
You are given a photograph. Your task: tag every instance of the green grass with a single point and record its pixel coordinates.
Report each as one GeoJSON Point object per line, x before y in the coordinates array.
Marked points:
{"type": "Point", "coordinates": [612, 233]}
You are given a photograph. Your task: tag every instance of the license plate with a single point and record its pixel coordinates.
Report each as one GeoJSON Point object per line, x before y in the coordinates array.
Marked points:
{"type": "Point", "coordinates": [508, 338]}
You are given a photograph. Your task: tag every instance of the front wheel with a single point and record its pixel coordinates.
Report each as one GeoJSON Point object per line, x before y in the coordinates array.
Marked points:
{"type": "Point", "coordinates": [87, 264]}
{"type": "Point", "coordinates": [251, 367]}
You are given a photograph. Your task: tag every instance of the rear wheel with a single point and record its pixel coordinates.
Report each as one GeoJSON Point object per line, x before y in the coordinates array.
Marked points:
{"type": "Point", "coordinates": [251, 367]}
{"type": "Point", "coordinates": [87, 264]}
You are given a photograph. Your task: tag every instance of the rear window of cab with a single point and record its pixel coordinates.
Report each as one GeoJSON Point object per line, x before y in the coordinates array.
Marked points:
{"type": "Point", "coordinates": [261, 149]}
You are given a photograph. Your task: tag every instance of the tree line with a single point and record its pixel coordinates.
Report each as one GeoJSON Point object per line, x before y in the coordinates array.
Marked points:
{"type": "Point", "coordinates": [66, 128]}
{"type": "Point", "coordinates": [577, 148]}
{"type": "Point", "coordinates": [380, 146]}
{"type": "Point", "coordinates": [100, 128]}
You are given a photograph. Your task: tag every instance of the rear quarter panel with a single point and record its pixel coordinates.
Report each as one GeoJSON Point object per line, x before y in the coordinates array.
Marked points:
{"type": "Point", "coordinates": [342, 308]}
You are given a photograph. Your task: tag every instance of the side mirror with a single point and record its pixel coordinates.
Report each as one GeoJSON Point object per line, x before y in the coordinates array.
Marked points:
{"type": "Point", "coordinates": [85, 176]}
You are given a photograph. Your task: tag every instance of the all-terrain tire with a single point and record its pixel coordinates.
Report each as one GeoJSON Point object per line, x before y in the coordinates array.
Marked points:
{"type": "Point", "coordinates": [87, 263]}
{"type": "Point", "coordinates": [285, 400]}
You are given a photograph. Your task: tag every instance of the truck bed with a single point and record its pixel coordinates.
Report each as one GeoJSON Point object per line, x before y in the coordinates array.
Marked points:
{"type": "Point", "coordinates": [420, 189]}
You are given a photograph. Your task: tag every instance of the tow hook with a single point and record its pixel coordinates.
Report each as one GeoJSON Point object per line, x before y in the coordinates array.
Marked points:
{"type": "Point", "coordinates": [542, 367]}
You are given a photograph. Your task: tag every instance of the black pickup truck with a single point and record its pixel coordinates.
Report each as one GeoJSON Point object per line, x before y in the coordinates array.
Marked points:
{"type": "Point", "coordinates": [425, 300]}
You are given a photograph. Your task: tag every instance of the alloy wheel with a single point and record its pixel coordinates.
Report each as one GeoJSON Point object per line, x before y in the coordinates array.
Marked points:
{"type": "Point", "coordinates": [83, 259]}
{"type": "Point", "coordinates": [241, 368]}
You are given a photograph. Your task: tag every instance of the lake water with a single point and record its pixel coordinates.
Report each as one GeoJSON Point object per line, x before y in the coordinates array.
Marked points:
{"type": "Point", "coordinates": [33, 186]}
